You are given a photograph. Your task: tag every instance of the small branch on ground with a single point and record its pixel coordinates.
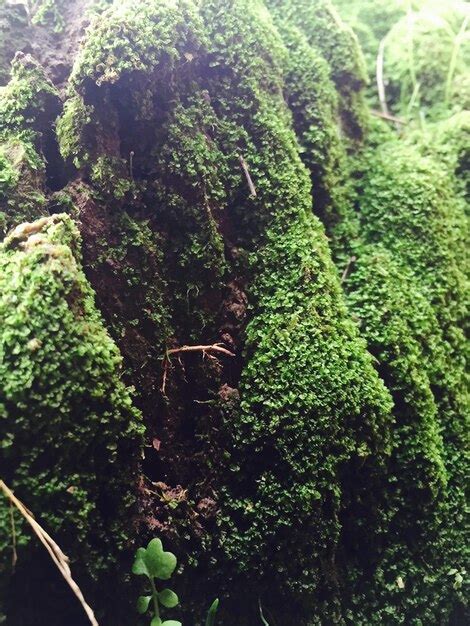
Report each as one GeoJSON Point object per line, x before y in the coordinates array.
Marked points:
{"type": "Point", "coordinates": [56, 554]}
{"type": "Point", "coordinates": [207, 351]}
{"type": "Point", "coordinates": [246, 171]}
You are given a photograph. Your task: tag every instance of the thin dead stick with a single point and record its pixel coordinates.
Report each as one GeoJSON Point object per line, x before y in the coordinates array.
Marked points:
{"type": "Point", "coordinates": [53, 549]}
{"type": "Point", "coordinates": [390, 118]}
{"type": "Point", "coordinates": [351, 260]}
{"type": "Point", "coordinates": [215, 347]}
{"type": "Point", "coordinates": [246, 171]}
{"type": "Point", "coordinates": [380, 77]}
{"type": "Point", "coordinates": [206, 351]}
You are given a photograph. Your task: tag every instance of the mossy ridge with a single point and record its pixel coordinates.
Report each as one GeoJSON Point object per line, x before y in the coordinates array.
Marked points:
{"type": "Point", "coordinates": [336, 42]}
{"type": "Point", "coordinates": [28, 105]}
{"type": "Point", "coordinates": [313, 101]}
{"type": "Point", "coordinates": [409, 205]}
{"type": "Point", "coordinates": [415, 223]}
{"type": "Point", "coordinates": [417, 548]}
{"type": "Point", "coordinates": [145, 142]}
{"type": "Point", "coordinates": [69, 425]}
{"type": "Point", "coordinates": [303, 300]}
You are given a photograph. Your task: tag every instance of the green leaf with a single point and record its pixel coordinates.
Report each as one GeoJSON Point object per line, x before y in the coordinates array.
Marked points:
{"type": "Point", "coordinates": [140, 567]}
{"type": "Point", "coordinates": [210, 619]}
{"type": "Point", "coordinates": [159, 563]}
{"type": "Point", "coordinates": [168, 598]}
{"type": "Point", "coordinates": [171, 622]}
{"type": "Point", "coordinates": [143, 604]}
{"type": "Point", "coordinates": [156, 621]}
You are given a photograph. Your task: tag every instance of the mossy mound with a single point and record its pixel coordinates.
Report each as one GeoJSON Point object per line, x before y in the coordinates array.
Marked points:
{"type": "Point", "coordinates": [409, 291]}
{"type": "Point", "coordinates": [303, 450]}
{"type": "Point", "coordinates": [423, 541]}
{"type": "Point", "coordinates": [28, 107]}
{"type": "Point", "coordinates": [71, 437]}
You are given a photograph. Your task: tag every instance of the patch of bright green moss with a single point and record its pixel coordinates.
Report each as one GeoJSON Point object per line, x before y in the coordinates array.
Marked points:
{"type": "Point", "coordinates": [313, 101]}
{"type": "Point", "coordinates": [336, 42]}
{"type": "Point", "coordinates": [71, 436]}
{"type": "Point", "coordinates": [311, 402]}
{"type": "Point", "coordinates": [28, 105]}
{"type": "Point", "coordinates": [410, 293]}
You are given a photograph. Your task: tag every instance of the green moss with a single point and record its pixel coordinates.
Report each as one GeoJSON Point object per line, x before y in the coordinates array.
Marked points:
{"type": "Point", "coordinates": [26, 100]}
{"type": "Point", "coordinates": [425, 58]}
{"type": "Point", "coordinates": [147, 31]}
{"type": "Point", "coordinates": [182, 118]}
{"type": "Point", "coordinates": [27, 104]}
{"type": "Point", "coordinates": [71, 129]}
{"type": "Point", "coordinates": [72, 437]}
{"type": "Point", "coordinates": [448, 142]}
{"type": "Point", "coordinates": [337, 43]}
{"type": "Point", "coordinates": [408, 204]}
{"type": "Point", "coordinates": [48, 13]}
{"type": "Point", "coordinates": [409, 292]}
{"type": "Point", "coordinates": [21, 184]}
{"type": "Point", "coordinates": [313, 101]}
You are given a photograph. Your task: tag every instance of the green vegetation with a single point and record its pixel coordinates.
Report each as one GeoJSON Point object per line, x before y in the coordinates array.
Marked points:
{"type": "Point", "coordinates": [28, 105]}
{"type": "Point", "coordinates": [426, 52]}
{"type": "Point", "coordinates": [70, 435]}
{"type": "Point", "coordinates": [156, 564]}
{"type": "Point", "coordinates": [241, 320]}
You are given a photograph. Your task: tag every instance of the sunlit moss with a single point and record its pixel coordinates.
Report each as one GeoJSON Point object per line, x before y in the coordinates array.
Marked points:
{"type": "Point", "coordinates": [28, 105]}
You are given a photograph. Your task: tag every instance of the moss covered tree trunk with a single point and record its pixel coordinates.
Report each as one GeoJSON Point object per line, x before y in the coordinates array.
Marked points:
{"type": "Point", "coordinates": [206, 174]}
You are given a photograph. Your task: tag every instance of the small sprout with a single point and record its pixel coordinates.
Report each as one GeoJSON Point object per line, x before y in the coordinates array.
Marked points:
{"type": "Point", "coordinates": [157, 564]}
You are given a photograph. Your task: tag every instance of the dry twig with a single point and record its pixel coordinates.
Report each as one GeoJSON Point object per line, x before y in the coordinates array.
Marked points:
{"type": "Point", "coordinates": [54, 550]}
{"type": "Point", "coordinates": [14, 555]}
{"type": "Point", "coordinates": [206, 351]}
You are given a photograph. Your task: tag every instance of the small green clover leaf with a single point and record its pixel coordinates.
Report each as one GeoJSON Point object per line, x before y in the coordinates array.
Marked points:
{"type": "Point", "coordinates": [143, 604]}
{"type": "Point", "coordinates": [154, 562]}
{"type": "Point", "coordinates": [168, 598]}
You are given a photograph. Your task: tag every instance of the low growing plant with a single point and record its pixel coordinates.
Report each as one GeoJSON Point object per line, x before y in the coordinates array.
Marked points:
{"type": "Point", "coordinates": [157, 564]}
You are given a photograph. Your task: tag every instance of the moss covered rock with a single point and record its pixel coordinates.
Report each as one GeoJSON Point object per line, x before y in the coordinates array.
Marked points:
{"type": "Point", "coordinates": [71, 437]}
{"type": "Point", "coordinates": [303, 450]}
